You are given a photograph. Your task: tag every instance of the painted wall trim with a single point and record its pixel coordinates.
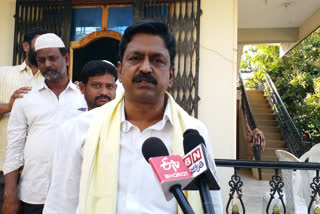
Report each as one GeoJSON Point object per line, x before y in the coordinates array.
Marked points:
{"type": "Point", "coordinates": [308, 27]}
{"type": "Point", "coordinates": [267, 35]}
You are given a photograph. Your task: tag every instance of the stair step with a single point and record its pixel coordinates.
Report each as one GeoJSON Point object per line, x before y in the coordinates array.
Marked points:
{"type": "Point", "coordinates": [269, 157]}
{"type": "Point", "coordinates": [269, 129]}
{"type": "Point", "coordinates": [264, 116]}
{"type": "Point", "coordinates": [254, 108]}
{"type": "Point", "coordinates": [262, 110]}
{"type": "Point", "coordinates": [273, 136]}
{"type": "Point", "coordinates": [254, 92]}
{"type": "Point", "coordinates": [260, 122]}
{"type": "Point", "coordinates": [258, 101]}
{"type": "Point", "coordinates": [260, 105]}
{"type": "Point", "coordinates": [256, 97]}
{"type": "Point", "coordinates": [275, 143]}
{"type": "Point", "coordinates": [272, 151]}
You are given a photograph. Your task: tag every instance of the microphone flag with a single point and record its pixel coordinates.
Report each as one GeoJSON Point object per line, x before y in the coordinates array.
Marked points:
{"type": "Point", "coordinates": [169, 171]}
{"type": "Point", "coordinates": [199, 162]}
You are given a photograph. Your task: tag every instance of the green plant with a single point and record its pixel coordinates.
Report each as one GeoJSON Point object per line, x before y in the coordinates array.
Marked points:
{"type": "Point", "coordinates": [276, 210]}
{"type": "Point", "coordinates": [235, 209]}
{"type": "Point", "coordinates": [296, 77]}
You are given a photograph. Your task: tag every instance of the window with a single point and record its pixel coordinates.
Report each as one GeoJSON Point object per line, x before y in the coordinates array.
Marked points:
{"type": "Point", "coordinates": [119, 18]}
{"type": "Point", "coordinates": [84, 22]}
{"type": "Point", "coordinates": [88, 20]}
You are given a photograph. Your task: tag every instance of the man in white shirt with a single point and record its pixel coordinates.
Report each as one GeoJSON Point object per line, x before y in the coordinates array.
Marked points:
{"type": "Point", "coordinates": [98, 85]}
{"type": "Point", "coordinates": [98, 82]}
{"type": "Point", "coordinates": [32, 128]}
{"type": "Point", "coordinates": [105, 144]}
{"type": "Point", "coordinates": [14, 82]}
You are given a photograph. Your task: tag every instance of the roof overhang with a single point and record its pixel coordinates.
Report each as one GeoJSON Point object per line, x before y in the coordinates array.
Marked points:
{"type": "Point", "coordinates": [284, 22]}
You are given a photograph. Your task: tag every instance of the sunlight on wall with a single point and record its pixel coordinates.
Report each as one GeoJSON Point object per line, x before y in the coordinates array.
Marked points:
{"type": "Point", "coordinates": [7, 9]}
{"type": "Point", "coordinates": [217, 88]}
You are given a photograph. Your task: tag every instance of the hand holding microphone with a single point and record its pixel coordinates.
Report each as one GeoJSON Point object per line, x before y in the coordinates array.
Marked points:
{"type": "Point", "coordinates": [171, 171]}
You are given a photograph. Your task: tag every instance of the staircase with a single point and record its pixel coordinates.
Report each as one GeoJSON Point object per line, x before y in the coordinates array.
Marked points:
{"type": "Point", "coordinates": [267, 123]}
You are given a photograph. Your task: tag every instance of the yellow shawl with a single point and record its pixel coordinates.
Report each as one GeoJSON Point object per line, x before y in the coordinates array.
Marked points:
{"type": "Point", "coordinates": [99, 177]}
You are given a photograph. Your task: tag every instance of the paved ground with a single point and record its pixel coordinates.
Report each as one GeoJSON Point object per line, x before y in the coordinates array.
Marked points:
{"type": "Point", "coordinates": [253, 191]}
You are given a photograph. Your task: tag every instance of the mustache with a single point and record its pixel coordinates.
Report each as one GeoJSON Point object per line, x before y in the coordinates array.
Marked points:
{"type": "Point", "coordinates": [50, 69]}
{"type": "Point", "coordinates": [145, 76]}
{"type": "Point", "coordinates": [103, 96]}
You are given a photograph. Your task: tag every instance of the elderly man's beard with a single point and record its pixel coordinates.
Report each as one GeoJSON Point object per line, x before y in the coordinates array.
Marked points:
{"type": "Point", "coordinates": [32, 57]}
{"type": "Point", "coordinates": [53, 74]}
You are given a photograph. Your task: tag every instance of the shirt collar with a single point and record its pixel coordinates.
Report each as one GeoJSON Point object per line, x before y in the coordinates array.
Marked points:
{"type": "Point", "coordinates": [24, 67]}
{"type": "Point", "coordinates": [43, 85]}
{"type": "Point", "coordinates": [126, 125]}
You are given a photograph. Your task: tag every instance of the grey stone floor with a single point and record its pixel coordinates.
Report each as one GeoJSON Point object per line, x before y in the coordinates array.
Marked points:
{"type": "Point", "coordinates": [253, 191]}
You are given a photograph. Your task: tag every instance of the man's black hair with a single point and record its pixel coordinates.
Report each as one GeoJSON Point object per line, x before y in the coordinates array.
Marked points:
{"type": "Point", "coordinates": [63, 51]}
{"type": "Point", "coordinates": [97, 67]}
{"type": "Point", "coordinates": [32, 33]}
{"type": "Point", "coordinates": [149, 27]}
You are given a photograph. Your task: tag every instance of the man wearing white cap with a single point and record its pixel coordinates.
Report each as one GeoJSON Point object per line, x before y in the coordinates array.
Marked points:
{"type": "Point", "coordinates": [32, 129]}
{"type": "Point", "coordinates": [15, 81]}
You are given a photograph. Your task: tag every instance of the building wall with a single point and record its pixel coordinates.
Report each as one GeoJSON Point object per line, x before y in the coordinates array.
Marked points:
{"type": "Point", "coordinates": [7, 10]}
{"type": "Point", "coordinates": [218, 63]}
{"type": "Point", "coordinates": [217, 88]}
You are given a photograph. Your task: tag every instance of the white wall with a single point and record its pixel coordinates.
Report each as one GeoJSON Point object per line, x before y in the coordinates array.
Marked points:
{"type": "Point", "coordinates": [218, 63]}
{"type": "Point", "coordinates": [7, 10]}
{"type": "Point", "coordinates": [217, 88]}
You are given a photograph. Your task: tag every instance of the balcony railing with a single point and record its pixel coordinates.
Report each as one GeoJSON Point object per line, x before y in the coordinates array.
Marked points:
{"type": "Point", "coordinates": [276, 183]}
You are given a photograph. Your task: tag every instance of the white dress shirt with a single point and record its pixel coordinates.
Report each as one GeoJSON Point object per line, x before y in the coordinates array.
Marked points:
{"type": "Point", "coordinates": [138, 188]}
{"type": "Point", "coordinates": [32, 137]}
{"type": "Point", "coordinates": [11, 79]}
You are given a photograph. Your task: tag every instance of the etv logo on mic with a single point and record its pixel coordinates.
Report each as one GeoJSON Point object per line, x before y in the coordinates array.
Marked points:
{"type": "Point", "coordinates": [170, 168]}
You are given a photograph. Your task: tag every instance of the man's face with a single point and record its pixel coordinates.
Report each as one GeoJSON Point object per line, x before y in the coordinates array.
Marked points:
{"type": "Point", "coordinates": [99, 90]}
{"type": "Point", "coordinates": [52, 65]}
{"type": "Point", "coordinates": [145, 69]}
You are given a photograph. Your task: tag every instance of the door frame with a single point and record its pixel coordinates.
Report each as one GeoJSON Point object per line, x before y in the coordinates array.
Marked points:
{"type": "Point", "coordinates": [83, 42]}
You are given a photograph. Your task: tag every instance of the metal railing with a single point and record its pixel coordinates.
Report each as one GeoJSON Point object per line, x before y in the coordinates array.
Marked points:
{"type": "Point", "coordinates": [276, 183]}
{"type": "Point", "coordinates": [245, 105]}
{"type": "Point", "coordinates": [246, 109]}
{"type": "Point", "coordinates": [290, 132]}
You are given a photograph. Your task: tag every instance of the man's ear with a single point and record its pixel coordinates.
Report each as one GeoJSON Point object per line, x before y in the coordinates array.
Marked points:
{"type": "Point", "coordinates": [82, 87]}
{"type": "Point", "coordinates": [67, 58]}
{"type": "Point", "coordinates": [25, 46]}
{"type": "Point", "coordinates": [171, 76]}
{"type": "Point", "coordinates": [119, 70]}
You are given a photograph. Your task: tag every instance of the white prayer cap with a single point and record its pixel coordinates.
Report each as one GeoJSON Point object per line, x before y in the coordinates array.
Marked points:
{"type": "Point", "coordinates": [108, 62]}
{"type": "Point", "coordinates": [48, 40]}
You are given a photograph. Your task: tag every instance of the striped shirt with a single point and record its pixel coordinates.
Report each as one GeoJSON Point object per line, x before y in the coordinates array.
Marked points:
{"type": "Point", "coordinates": [11, 79]}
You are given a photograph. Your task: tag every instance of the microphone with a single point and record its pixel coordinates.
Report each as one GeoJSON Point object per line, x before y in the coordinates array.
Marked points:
{"type": "Point", "coordinates": [201, 166]}
{"type": "Point", "coordinates": [171, 171]}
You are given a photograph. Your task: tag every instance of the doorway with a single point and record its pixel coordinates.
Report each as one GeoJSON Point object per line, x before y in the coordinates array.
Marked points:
{"type": "Point", "coordinates": [101, 49]}
{"type": "Point", "coordinates": [99, 45]}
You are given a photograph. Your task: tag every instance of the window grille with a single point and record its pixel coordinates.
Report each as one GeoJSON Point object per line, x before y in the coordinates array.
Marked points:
{"type": "Point", "coordinates": [52, 15]}
{"type": "Point", "coordinates": [183, 18]}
